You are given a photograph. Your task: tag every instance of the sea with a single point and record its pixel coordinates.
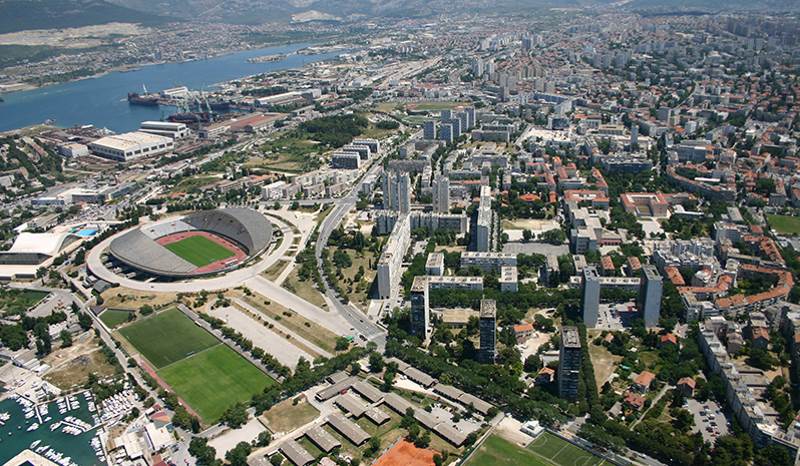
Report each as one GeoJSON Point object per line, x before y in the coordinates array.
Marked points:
{"type": "Point", "coordinates": [14, 436]}
{"type": "Point", "coordinates": [102, 101]}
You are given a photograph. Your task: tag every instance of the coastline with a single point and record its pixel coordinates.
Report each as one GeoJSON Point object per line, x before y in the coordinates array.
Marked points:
{"type": "Point", "coordinates": [10, 88]}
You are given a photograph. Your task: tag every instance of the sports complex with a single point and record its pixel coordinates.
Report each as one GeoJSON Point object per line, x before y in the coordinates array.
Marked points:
{"type": "Point", "coordinates": [197, 244]}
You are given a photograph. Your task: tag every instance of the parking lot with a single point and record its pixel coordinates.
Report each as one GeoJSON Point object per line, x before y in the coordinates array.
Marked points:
{"type": "Point", "coordinates": [708, 419]}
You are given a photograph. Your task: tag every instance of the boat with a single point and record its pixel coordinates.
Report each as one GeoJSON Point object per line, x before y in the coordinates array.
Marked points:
{"type": "Point", "coordinates": [35, 444]}
{"type": "Point", "coordinates": [144, 100]}
{"type": "Point", "coordinates": [33, 427]}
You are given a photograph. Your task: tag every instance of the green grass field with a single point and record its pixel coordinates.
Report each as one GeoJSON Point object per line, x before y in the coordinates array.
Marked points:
{"type": "Point", "coordinates": [496, 451]}
{"type": "Point", "coordinates": [199, 250]}
{"type": "Point", "coordinates": [16, 301]}
{"type": "Point", "coordinates": [784, 224]}
{"type": "Point", "coordinates": [560, 452]}
{"type": "Point", "coordinates": [114, 317]}
{"type": "Point", "coordinates": [167, 337]}
{"type": "Point", "coordinates": [214, 379]}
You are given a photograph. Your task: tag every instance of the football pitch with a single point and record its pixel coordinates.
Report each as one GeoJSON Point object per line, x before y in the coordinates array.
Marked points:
{"type": "Point", "coordinates": [546, 450]}
{"type": "Point", "coordinates": [199, 250]}
{"type": "Point", "coordinates": [167, 337]}
{"type": "Point", "coordinates": [214, 379]}
{"type": "Point", "coordinates": [784, 224]}
{"type": "Point", "coordinates": [204, 372]}
{"type": "Point", "coordinates": [561, 452]}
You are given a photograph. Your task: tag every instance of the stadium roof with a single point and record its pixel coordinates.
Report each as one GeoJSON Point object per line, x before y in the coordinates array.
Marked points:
{"type": "Point", "coordinates": [139, 249]}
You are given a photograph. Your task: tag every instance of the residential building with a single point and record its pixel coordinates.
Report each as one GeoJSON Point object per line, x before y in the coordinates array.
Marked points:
{"type": "Point", "coordinates": [569, 363]}
{"type": "Point", "coordinates": [487, 327]}
{"type": "Point", "coordinates": [590, 296]}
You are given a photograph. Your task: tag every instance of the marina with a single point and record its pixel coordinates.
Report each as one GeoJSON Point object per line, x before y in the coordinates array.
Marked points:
{"type": "Point", "coordinates": [65, 430]}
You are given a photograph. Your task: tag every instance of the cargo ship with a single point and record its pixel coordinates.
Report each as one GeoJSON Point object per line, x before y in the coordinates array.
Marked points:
{"type": "Point", "coordinates": [145, 100]}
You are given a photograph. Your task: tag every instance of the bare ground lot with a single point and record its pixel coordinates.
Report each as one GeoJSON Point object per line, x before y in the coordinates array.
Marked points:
{"type": "Point", "coordinates": [278, 346]}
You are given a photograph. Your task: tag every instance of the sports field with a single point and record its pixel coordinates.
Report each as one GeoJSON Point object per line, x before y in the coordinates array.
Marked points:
{"type": "Point", "coordinates": [167, 337]}
{"type": "Point", "coordinates": [496, 451]}
{"type": "Point", "coordinates": [199, 250]}
{"type": "Point", "coordinates": [546, 450]}
{"type": "Point", "coordinates": [784, 224]}
{"type": "Point", "coordinates": [214, 379]}
{"type": "Point", "coordinates": [114, 317]}
{"type": "Point", "coordinates": [561, 452]}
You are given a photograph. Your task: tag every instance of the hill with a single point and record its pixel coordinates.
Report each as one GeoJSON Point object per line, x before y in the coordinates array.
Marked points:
{"type": "Point", "coordinates": [21, 15]}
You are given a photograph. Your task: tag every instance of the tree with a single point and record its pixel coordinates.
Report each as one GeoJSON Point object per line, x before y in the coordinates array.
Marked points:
{"type": "Point", "coordinates": [238, 455]}
{"type": "Point", "coordinates": [203, 453]}
{"type": "Point", "coordinates": [235, 416]}
{"type": "Point", "coordinates": [533, 363]}
{"type": "Point", "coordinates": [84, 321]}
{"type": "Point", "coordinates": [342, 344]}
{"type": "Point", "coordinates": [375, 362]}
{"type": "Point", "coordinates": [526, 235]}
{"type": "Point", "coordinates": [554, 236]}
{"type": "Point", "coordinates": [66, 338]}
{"type": "Point", "coordinates": [761, 359]}
{"type": "Point", "coordinates": [276, 459]}
{"type": "Point", "coordinates": [264, 438]}
{"type": "Point", "coordinates": [424, 440]}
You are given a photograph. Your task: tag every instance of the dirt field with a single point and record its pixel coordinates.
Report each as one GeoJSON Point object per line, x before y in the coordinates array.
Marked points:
{"type": "Point", "coordinates": [124, 298]}
{"type": "Point", "coordinates": [287, 416]}
{"type": "Point", "coordinates": [71, 366]}
{"type": "Point", "coordinates": [604, 362]}
{"type": "Point", "coordinates": [406, 454]}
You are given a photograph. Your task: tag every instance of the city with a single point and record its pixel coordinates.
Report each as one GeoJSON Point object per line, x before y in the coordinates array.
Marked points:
{"type": "Point", "coordinates": [349, 233]}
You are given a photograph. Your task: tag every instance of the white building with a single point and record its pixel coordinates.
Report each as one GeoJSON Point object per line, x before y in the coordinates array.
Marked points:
{"type": "Point", "coordinates": [165, 128]}
{"type": "Point", "coordinates": [130, 146]}
{"type": "Point", "coordinates": [391, 260]}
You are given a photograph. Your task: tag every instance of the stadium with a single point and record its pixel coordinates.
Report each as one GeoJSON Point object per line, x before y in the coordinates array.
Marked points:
{"type": "Point", "coordinates": [198, 244]}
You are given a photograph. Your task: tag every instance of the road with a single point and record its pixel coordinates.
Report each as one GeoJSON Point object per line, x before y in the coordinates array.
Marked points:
{"type": "Point", "coordinates": [357, 319]}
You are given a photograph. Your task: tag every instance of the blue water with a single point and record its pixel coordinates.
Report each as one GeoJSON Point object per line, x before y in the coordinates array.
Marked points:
{"type": "Point", "coordinates": [102, 101]}
{"type": "Point", "coordinates": [14, 440]}
{"type": "Point", "coordinates": [86, 232]}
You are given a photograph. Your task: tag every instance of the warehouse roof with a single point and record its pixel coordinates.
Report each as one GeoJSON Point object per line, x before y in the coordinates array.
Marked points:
{"type": "Point", "coordinates": [296, 453]}
{"type": "Point", "coordinates": [348, 428]}
{"type": "Point", "coordinates": [323, 439]}
{"type": "Point", "coordinates": [351, 404]}
{"type": "Point", "coordinates": [368, 391]}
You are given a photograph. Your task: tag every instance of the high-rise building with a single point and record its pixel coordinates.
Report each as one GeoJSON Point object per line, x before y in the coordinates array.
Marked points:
{"type": "Point", "coordinates": [590, 296]}
{"type": "Point", "coordinates": [650, 289]}
{"type": "Point", "coordinates": [446, 115]}
{"type": "Point", "coordinates": [569, 363]}
{"type": "Point", "coordinates": [487, 327]}
{"type": "Point", "coordinates": [457, 128]}
{"type": "Point", "coordinates": [485, 223]}
{"type": "Point", "coordinates": [634, 135]}
{"type": "Point", "coordinates": [527, 43]}
{"type": "Point", "coordinates": [464, 119]}
{"type": "Point", "coordinates": [420, 307]}
{"type": "Point", "coordinates": [446, 133]}
{"type": "Point", "coordinates": [396, 191]}
{"type": "Point", "coordinates": [391, 261]}
{"type": "Point", "coordinates": [477, 67]}
{"type": "Point", "coordinates": [441, 194]}
{"type": "Point", "coordinates": [429, 130]}
{"type": "Point", "coordinates": [470, 111]}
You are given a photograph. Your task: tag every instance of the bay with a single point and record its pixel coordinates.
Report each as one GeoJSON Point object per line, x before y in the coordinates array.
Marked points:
{"type": "Point", "coordinates": [102, 101]}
